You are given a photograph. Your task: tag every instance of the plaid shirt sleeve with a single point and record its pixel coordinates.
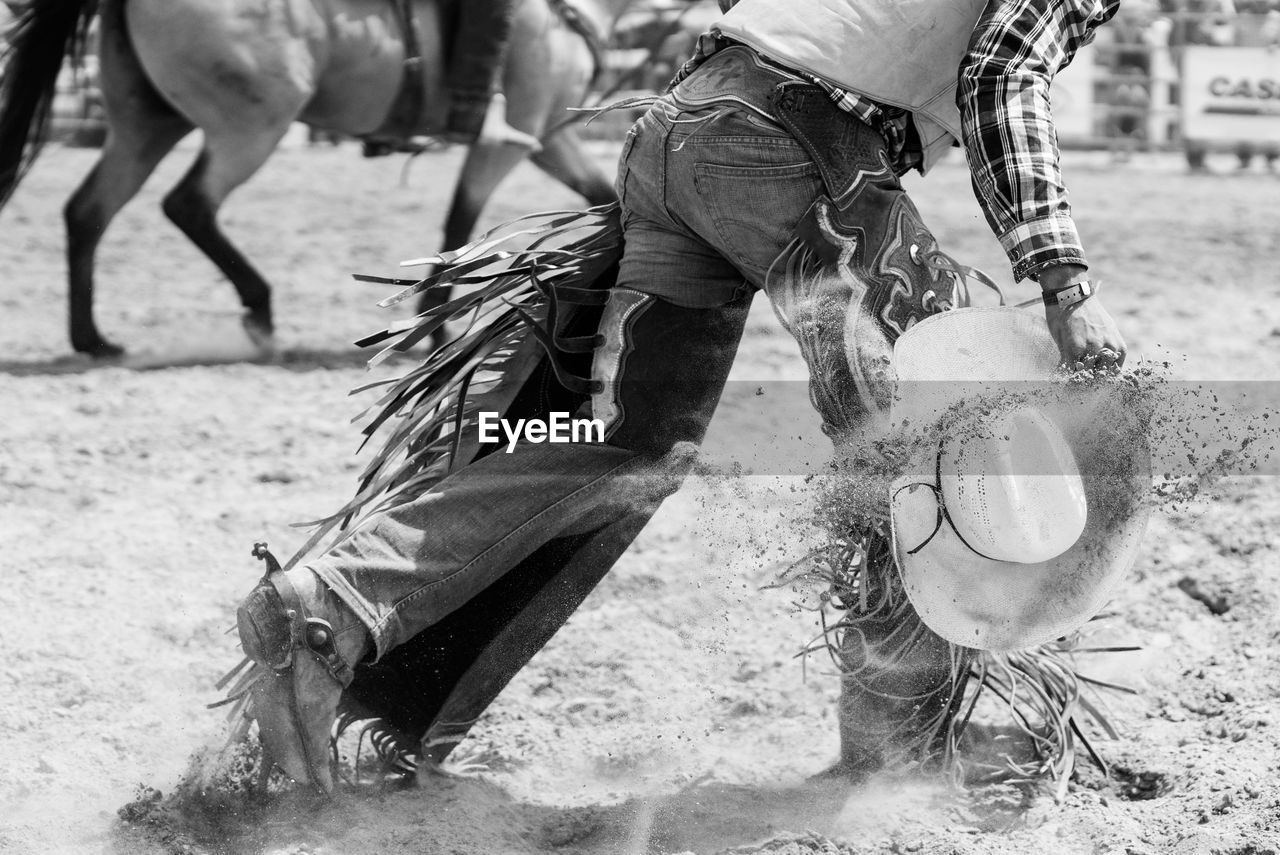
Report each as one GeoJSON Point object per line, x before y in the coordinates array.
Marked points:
{"type": "Point", "coordinates": [1017, 47]}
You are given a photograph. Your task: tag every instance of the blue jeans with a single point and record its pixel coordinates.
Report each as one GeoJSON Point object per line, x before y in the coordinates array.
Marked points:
{"type": "Point", "coordinates": [710, 197]}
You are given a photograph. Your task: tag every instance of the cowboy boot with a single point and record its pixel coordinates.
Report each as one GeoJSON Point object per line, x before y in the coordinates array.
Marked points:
{"type": "Point", "coordinates": [307, 641]}
{"type": "Point", "coordinates": [898, 691]}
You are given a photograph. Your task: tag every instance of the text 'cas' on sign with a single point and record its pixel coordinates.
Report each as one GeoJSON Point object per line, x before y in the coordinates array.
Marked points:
{"type": "Point", "coordinates": [1231, 94]}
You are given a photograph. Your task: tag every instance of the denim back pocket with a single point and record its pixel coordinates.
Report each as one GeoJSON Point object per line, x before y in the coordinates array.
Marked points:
{"type": "Point", "coordinates": [755, 204]}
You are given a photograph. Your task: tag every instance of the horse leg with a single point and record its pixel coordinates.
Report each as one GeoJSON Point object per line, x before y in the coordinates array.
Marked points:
{"type": "Point", "coordinates": [142, 129]}
{"type": "Point", "coordinates": [563, 159]}
{"type": "Point", "coordinates": [486, 165]}
{"type": "Point", "coordinates": [224, 163]}
{"type": "Point", "coordinates": [130, 154]}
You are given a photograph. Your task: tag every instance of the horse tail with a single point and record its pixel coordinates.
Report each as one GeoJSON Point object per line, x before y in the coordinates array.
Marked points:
{"type": "Point", "coordinates": [40, 37]}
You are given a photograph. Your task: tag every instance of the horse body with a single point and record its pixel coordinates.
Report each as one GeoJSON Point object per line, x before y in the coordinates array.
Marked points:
{"type": "Point", "coordinates": [242, 71]}
{"type": "Point", "coordinates": [334, 65]}
{"type": "Point", "coordinates": [365, 53]}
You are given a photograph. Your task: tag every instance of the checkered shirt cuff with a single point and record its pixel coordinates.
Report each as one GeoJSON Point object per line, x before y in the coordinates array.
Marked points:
{"type": "Point", "coordinates": [1041, 243]}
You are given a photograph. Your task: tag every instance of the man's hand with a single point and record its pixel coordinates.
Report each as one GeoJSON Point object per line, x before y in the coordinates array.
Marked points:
{"type": "Point", "coordinates": [1086, 334]}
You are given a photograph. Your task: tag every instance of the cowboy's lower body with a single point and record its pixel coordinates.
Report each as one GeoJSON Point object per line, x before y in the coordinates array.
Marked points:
{"type": "Point", "coordinates": [711, 195]}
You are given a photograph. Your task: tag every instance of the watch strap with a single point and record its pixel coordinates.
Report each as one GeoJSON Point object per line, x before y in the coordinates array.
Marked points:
{"type": "Point", "coordinates": [1069, 296]}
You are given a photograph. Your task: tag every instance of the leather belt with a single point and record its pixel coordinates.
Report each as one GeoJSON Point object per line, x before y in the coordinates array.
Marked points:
{"type": "Point", "coordinates": [722, 80]}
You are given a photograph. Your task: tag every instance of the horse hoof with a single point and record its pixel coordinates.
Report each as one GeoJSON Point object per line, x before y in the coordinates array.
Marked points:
{"type": "Point", "coordinates": [99, 349]}
{"type": "Point", "coordinates": [261, 333]}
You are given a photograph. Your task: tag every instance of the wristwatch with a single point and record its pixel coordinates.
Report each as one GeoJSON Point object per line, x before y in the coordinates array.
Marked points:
{"type": "Point", "coordinates": [1069, 296]}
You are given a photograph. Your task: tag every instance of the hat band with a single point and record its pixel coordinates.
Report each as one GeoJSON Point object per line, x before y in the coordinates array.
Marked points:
{"type": "Point", "coordinates": [943, 515]}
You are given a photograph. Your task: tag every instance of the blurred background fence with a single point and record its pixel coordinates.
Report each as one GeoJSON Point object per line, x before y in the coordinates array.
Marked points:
{"type": "Point", "coordinates": [1161, 76]}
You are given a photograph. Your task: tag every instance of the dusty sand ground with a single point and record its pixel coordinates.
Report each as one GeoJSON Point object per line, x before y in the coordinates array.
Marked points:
{"type": "Point", "coordinates": [669, 715]}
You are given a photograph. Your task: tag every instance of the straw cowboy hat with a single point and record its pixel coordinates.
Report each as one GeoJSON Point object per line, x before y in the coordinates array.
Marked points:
{"type": "Point", "coordinates": [1025, 507]}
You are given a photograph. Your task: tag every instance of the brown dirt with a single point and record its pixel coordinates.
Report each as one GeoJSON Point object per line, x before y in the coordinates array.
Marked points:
{"type": "Point", "coordinates": [670, 714]}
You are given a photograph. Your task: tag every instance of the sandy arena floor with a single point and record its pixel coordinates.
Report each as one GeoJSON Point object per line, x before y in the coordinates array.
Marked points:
{"type": "Point", "coordinates": [669, 715]}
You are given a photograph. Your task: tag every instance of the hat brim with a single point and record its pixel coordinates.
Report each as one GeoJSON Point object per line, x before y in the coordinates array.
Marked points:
{"type": "Point", "coordinates": [981, 603]}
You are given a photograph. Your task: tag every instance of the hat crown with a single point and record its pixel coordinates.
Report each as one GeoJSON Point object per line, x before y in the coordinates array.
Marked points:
{"type": "Point", "coordinates": [1013, 491]}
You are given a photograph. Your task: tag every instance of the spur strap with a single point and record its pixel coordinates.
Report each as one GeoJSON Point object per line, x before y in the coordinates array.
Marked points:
{"type": "Point", "coordinates": [313, 634]}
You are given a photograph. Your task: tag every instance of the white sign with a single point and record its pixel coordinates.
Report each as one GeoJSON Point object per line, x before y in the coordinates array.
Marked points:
{"type": "Point", "coordinates": [1231, 94]}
